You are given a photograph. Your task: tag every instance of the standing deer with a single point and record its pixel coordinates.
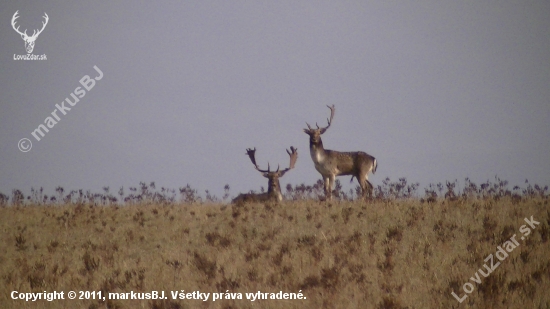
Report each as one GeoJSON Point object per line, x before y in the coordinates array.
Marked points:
{"type": "Point", "coordinates": [29, 40]}
{"type": "Point", "coordinates": [274, 187]}
{"type": "Point", "coordinates": [330, 163]}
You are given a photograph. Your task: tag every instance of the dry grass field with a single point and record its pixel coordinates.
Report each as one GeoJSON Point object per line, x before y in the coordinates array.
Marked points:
{"type": "Point", "coordinates": [385, 253]}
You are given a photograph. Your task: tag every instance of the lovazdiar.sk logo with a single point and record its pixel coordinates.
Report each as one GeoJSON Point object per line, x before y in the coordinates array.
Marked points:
{"type": "Point", "coordinates": [29, 40]}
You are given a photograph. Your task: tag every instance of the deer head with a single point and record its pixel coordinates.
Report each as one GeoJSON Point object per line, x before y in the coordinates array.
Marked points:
{"type": "Point", "coordinates": [315, 134]}
{"type": "Point", "coordinates": [273, 176]}
{"type": "Point", "coordinates": [29, 40]}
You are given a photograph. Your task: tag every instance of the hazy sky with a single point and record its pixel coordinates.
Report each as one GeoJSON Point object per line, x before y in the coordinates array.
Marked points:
{"type": "Point", "coordinates": [435, 90]}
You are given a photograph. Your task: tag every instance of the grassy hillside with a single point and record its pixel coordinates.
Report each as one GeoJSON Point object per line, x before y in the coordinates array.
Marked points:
{"type": "Point", "coordinates": [402, 253]}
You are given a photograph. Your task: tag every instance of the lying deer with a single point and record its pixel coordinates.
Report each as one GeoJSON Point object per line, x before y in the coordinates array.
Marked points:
{"type": "Point", "coordinates": [330, 163]}
{"type": "Point", "coordinates": [273, 186]}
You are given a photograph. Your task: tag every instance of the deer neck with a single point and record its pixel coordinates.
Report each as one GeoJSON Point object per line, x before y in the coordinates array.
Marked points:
{"type": "Point", "coordinates": [317, 151]}
{"type": "Point", "coordinates": [274, 189]}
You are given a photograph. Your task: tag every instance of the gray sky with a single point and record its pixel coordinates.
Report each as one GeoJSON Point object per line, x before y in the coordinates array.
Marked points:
{"type": "Point", "coordinates": [435, 90]}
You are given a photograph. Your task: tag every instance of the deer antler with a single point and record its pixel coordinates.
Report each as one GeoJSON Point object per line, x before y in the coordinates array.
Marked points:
{"type": "Point", "coordinates": [264, 171]}
{"type": "Point", "coordinates": [34, 33]}
{"type": "Point", "coordinates": [43, 25]}
{"type": "Point", "coordinates": [293, 157]}
{"type": "Point", "coordinates": [293, 153]}
{"type": "Point", "coordinates": [251, 154]}
{"type": "Point", "coordinates": [15, 16]}
{"type": "Point", "coordinates": [328, 120]}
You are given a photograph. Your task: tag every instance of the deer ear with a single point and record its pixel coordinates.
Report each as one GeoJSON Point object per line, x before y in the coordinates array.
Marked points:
{"type": "Point", "coordinates": [266, 175]}
{"type": "Point", "coordinates": [323, 130]}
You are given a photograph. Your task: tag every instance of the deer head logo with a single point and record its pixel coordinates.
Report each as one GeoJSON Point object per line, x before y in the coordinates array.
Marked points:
{"type": "Point", "coordinates": [29, 40]}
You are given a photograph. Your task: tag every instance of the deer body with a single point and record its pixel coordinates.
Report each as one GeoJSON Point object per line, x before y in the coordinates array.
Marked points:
{"type": "Point", "coordinates": [274, 195]}
{"type": "Point", "coordinates": [273, 186]}
{"type": "Point", "coordinates": [331, 163]}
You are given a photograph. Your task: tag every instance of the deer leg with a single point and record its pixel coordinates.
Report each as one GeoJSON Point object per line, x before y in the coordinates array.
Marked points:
{"type": "Point", "coordinates": [331, 184]}
{"type": "Point", "coordinates": [363, 185]}
{"type": "Point", "coordinates": [363, 182]}
{"type": "Point", "coordinates": [371, 188]}
{"type": "Point", "coordinates": [328, 187]}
